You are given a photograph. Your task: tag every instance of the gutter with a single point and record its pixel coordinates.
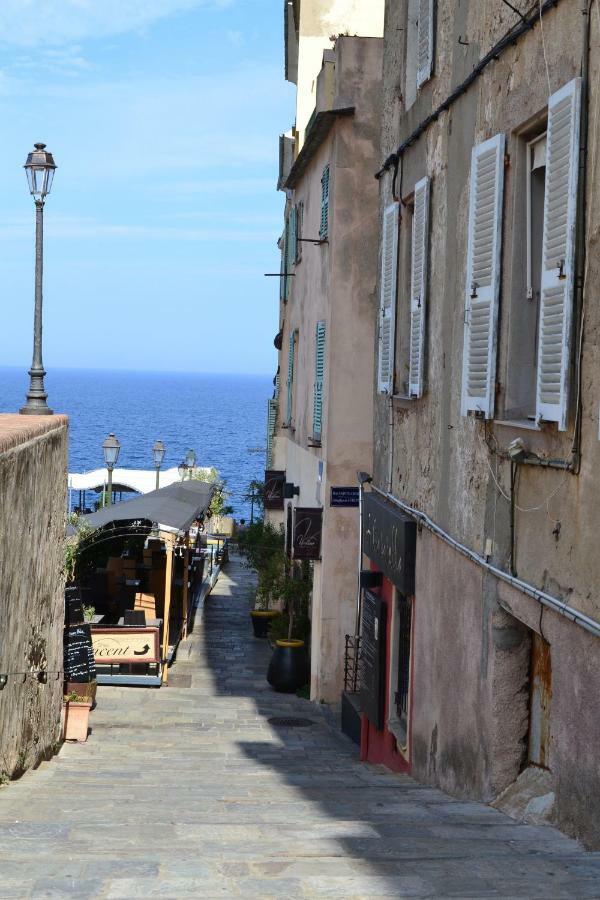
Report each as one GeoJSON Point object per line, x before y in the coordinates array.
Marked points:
{"type": "Point", "coordinates": [554, 603]}
{"type": "Point", "coordinates": [319, 127]}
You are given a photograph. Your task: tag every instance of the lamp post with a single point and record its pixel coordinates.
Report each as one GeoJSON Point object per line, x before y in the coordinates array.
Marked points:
{"type": "Point", "coordinates": [182, 469]}
{"type": "Point", "coordinates": [111, 447]}
{"type": "Point", "coordinates": [158, 453]}
{"type": "Point", "coordinates": [40, 168]}
{"type": "Point", "coordinates": [190, 460]}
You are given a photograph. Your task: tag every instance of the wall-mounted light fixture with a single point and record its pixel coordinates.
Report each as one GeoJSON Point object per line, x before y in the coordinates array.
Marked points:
{"type": "Point", "coordinates": [290, 490]}
{"type": "Point", "coordinates": [42, 677]}
{"type": "Point", "coordinates": [3, 681]}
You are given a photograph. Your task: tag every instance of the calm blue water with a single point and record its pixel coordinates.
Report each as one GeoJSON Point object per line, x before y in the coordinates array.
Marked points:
{"type": "Point", "coordinates": [220, 416]}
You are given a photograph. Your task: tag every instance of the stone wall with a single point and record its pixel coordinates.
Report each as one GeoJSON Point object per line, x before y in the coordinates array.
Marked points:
{"type": "Point", "coordinates": [33, 480]}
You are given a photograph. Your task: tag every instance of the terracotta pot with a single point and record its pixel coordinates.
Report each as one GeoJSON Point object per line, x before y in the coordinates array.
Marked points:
{"type": "Point", "coordinates": [76, 720]}
{"type": "Point", "coordinates": [288, 669]}
{"type": "Point", "coordinates": [260, 621]}
{"type": "Point", "coordinates": [85, 689]}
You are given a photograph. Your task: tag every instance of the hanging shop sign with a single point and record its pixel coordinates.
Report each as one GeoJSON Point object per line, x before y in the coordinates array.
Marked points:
{"type": "Point", "coordinates": [125, 645]}
{"type": "Point", "coordinates": [372, 656]}
{"type": "Point", "coordinates": [344, 496]}
{"type": "Point", "coordinates": [308, 525]}
{"type": "Point", "coordinates": [390, 541]}
{"type": "Point", "coordinates": [274, 482]}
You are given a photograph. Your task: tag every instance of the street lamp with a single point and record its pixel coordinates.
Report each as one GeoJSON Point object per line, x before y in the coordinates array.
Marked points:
{"type": "Point", "coordinates": [111, 447]}
{"type": "Point", "coordinates": [40, 168]}
{"type": "Point", "coordinates": [182, 469]}
{"type": "Point", "coordinates": [158, 453]}
{"type": "Point", "coordinates": [190, 460]}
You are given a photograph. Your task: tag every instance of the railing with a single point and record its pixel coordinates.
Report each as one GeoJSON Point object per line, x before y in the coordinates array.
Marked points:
{"type": "Point", "coordinates": [352, 664]}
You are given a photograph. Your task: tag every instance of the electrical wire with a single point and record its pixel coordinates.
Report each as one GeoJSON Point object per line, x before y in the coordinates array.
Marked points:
{"type": "Point", "coordinates": [544, 49]}
{"type": "Point", "coordinates": [525, 509]}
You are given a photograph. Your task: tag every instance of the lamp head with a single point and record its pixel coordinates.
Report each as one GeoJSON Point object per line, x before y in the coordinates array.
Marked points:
{"type": "Point", "coordinates": [111, 448]}
{"type": "Point", "coordinates": [182, 469]}
{"type": "Point", "coordinates": [158, 453]}
{"type": "Point", "coordinates": [40, 168]}
{"type": "Point", "coordinates": [190, 458]}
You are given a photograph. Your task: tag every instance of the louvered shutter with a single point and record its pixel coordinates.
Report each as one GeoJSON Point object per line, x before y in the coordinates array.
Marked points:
{"type": "Point", "coordinates": [290, 377]}
{"type": "Point", "coordinates": [483, 277]}
{"type": "Point", "coordinates": [324, 228]}
{"type": "Point", "coordinates": [319, 377]}
{"type": "Point", "coordinates": [271, 419]}
{"type": "Point", "coordinates": [558, 254]}
{"type": "Point", "coordinates": [387, 292]}
{"type": "Point", "coordinates": [425, 41]}
{"type": "Point", "coordinates": [418, 287]}
{"type": "Point", "coordinates": [291, 256]}
{"type": "Point", "coordinates": [282, 279]}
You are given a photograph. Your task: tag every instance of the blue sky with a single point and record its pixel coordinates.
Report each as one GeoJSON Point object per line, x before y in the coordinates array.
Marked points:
{"type": "Point", "coordinates": [163, 117]}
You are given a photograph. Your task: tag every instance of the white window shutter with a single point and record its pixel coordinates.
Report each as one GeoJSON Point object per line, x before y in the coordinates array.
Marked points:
{"type": "Point", "coordinates": [425, 41]}
{"type": "Point", "coordinates": [418, 287]}
{"type": "Point", "coordinates": [483, 277]}
{"type": "Point", "coordinates": [319, 379]}
{"type": "Point", "coordinates": [387, 306]}
{"type": "Point", "coordinates": [271, 420]}
{"type": "Point", "coordinates": [558, 254]}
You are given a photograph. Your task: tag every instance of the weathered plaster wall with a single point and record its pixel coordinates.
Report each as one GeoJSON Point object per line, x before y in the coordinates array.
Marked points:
{"type": "Point", "coordinates": [33, 479]}
{"type": "Point", "coordinates": [442, 461]}
{"type": "Point", "coordinates": [336, 282]}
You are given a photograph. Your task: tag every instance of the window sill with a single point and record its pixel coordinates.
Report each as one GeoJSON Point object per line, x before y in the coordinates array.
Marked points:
{"type": "Point", "coordinates": [525, 424]}
{"type": "Point", "coordinates": [396, 728]}
{"type": "Point", "coordinates": [314, 442]}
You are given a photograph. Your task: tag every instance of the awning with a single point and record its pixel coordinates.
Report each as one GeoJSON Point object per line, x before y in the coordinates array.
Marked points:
{"type": "Point", "coordinates": [140, 481]}
{"type": "Point", "coordinates": [175, 506]}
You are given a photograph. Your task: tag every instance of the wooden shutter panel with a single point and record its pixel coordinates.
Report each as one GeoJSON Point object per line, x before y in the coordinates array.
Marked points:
{"type": "Point", "coordinates": [271, 419]}
{"type": "Point", "coordinates": [324, 228]}
{"type": "Point", "coordinates": [558, 254]}
{"type": "Point", "coordinates": [387, 303]}
{"type": "Point", "coordinates": [319, 378]}
{"type": "Point", "coordinates": [290, 377]}
{"type": "Point", "coordinates": [425, 41]}
{"type": "Point", "coordinates": [293, 242]}
{"type": "Point", "coordinates": [483, 277]}
{"type": "Point", "coordinates": [418, 287]}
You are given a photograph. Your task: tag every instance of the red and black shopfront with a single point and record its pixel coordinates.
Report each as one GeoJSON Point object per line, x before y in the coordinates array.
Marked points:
{"type": "Point", "coordinates": [386, 634]}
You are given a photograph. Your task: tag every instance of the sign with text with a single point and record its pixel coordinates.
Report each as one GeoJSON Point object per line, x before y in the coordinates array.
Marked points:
{"type": "Point", "coordinates": [372, 657]}
{"type": "Point", "coordinates": [78, 655]}
{"type": "Point", "coordinates": [308, 525]}
{"type": "Point", "coordinates": [390, 541]}
{"type": "Point", "coordinates": [125, 645]}
{"type": "Point", "coordinates": [344, 496]}
{"type": "Point", "coordinates": [274, 482]}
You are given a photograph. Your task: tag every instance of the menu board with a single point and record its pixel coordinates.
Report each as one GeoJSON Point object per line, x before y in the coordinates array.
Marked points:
{"type": "Point", "coordinates": [372, 657]}
{"type": "Point", "coordinates": [79, 662]}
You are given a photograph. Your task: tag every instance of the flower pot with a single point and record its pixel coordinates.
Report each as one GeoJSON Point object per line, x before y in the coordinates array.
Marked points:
{"type": "Point", "coordinates": [85, 689]}
{"type": "Point", "coordinates": [260, 621]}
{"type": "Point", "coordinates": [288, 669]}
{"type": "Point", "coordinates": [77, 715]}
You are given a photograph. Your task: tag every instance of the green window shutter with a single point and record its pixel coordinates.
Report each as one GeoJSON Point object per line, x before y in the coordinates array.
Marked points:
{"type": "Point", "coordinates": [293, 242]}
{"type": "Point", "coordinates": [282, 280]}
{"type": "Point", "coordinates": [319, 378]}
{"type": "Point", "coordinates": [285, 261]}
{"type": "Point", "coordinates": [290, 378]}
{"type": "Point", "coordinates": [299, 217]}
{"type": "Point", "coordinates": [271, 419]}
{"type": "Point", "coordinates": [324, 229]}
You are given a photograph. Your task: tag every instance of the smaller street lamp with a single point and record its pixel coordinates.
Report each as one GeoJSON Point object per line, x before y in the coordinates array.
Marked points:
{"type": "Point", "coordinates": [182, 469]}
{"type": "Point", "coordinates": [158, 453]}
{"type": "Point", "coordinates": [190, 460]}
{"type": "Point", "coordinates": [111, 448]}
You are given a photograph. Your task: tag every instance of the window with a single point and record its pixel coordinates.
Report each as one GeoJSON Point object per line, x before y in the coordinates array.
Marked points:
{"type": "Point", "coordinates": [319, 378]}
{"type": "Point", "coordinates": [324, 228]}
{"type": "Point", "coordinates": [290, 377]}
{"type": "Point", "coordinates": [541, 300]}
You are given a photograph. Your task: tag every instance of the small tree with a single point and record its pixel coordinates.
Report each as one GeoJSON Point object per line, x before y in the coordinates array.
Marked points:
{"type": "Point", "coordinates": [255, 497]}
{"type": "Point", "coordinates": [218, 504]}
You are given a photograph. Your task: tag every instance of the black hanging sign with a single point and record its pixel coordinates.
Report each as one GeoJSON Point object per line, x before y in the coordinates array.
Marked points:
{"type": "Point", "coordinates": [79, 665]}
{"type": "Point", "coordinates": [274, 482]}
{"type": "Point", "coordinates": [372, 656]}
{"type": "Point", "coordinates": [308, 525]}
{"type": "Point", "coordinates": [390, 541]}
{"type": "Point", "coordinates": [344, 496]}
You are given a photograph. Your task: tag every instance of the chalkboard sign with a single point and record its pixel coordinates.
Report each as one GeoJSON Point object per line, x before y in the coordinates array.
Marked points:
{"type": "Point", "coordinates": [73, 607]}
{"type": "Point", "coordinates": [372, 654]}
{"type": "Point", "coordinates": [79, 662]}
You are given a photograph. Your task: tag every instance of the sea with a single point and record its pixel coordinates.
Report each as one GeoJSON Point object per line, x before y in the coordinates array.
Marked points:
{"type": "Point", "coordinates": [222, 417]}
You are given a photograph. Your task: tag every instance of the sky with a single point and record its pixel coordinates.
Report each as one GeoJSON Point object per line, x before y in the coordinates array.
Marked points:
{"type": "Point", "coordinates": [163, 117]}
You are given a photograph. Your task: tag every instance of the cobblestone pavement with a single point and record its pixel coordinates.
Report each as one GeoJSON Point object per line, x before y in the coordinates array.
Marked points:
{"type": "Point", "coordinates": [190, 792]}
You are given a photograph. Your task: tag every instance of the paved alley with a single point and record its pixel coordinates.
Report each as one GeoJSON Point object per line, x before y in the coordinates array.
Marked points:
{"type": "Point", "coordinates": [188, 791]}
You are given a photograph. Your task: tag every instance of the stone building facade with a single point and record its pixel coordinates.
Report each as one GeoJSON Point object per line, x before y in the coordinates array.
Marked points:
{"type": "Point", "coordinates": [33, 482]}
{"type": "Point", "coordinates": [487, 395]}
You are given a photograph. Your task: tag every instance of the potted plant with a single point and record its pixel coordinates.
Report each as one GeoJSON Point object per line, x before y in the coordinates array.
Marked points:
{"type": "Point", "coordinates": [76, 716]}
{"type": "Point", "coordinates": [262, 545]}
{"type": "Point", "coordinates": [289, 668]}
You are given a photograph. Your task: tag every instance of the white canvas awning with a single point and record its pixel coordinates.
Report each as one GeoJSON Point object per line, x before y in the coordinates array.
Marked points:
{"type": "Point", "coordinates": [138, 481]}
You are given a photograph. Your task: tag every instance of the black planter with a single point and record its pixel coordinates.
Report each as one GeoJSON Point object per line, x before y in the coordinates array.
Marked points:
{"type": "Point", "coordinates": [288, 669]}
{"type": "Point", "coordinates": [260, 621]}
